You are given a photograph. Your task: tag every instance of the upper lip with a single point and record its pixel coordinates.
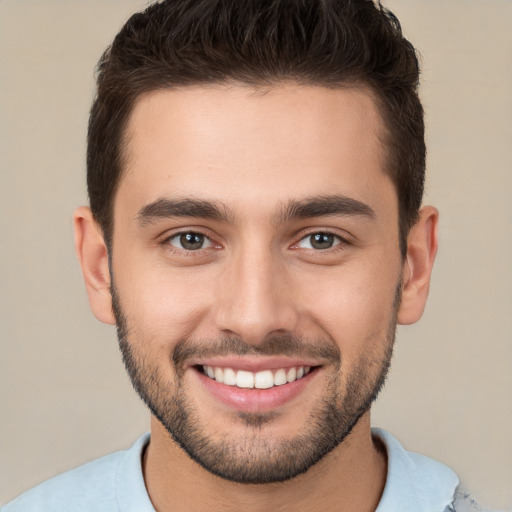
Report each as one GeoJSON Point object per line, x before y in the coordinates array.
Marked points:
{"type": "Point", "coordinates": [254, 364]}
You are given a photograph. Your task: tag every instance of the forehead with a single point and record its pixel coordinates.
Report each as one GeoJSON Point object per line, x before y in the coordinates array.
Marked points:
{"type": "Point", "coordinates": [250, 146]}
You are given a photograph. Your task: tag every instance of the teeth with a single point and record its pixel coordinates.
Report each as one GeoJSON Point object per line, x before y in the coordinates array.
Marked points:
{"type": "Point", "coordinates": [260, 380]}
{"type": "Point", "coordinates": [244, 379]}
{"type": "Point", "coordinates": [263, 380]}
{"type": "Point", "coordinates": [219, 375]}
{"type": "Point", "coordinates": [291, 375]}
{"type": "Point", "coordinates": [229, 377]}
{"type": "Point", "coordinates": [280, 377]}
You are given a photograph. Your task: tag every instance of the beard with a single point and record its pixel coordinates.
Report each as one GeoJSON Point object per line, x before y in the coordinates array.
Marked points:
{"type": "Point", "coordinates": [255, 458]}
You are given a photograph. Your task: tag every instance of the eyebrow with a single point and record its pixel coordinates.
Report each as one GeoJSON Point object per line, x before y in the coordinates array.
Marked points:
{"type": "Point", "coordinates": [165, 208]}
{"type": "Point", "coordinates": [317, 206]}
{"type": "Point", "coordinates": [322, 206]}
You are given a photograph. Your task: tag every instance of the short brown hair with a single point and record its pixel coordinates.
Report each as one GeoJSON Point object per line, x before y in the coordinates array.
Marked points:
{"type": "Point", "coordinates": [331, 43]}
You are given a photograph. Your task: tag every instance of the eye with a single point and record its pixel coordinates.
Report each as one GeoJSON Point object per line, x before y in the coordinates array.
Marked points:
{"type": "Point", "coordinates": [190, 241]}
{"type": "Point", "coordinates": [319, 241]}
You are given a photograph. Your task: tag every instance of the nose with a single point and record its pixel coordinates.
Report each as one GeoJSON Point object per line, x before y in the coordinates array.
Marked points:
{"type": "Point", "coordinates": [254, 298]}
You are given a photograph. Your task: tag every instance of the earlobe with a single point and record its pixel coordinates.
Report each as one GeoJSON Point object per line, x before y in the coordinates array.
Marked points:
{"type": "Point", "coordinates": [417, 268]}
{"type": "Point", "coordinates": [93, 257]}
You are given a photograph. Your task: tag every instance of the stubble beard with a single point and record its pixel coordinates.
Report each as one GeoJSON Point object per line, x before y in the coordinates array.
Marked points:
{"type": "Point", "coordinates": [254, 458]}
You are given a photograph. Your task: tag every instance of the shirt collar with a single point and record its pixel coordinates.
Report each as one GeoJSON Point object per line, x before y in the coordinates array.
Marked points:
{"type": "Point", "coordinates": [414, 482]}
{"type": "Point", "coordinates": [132, 495]}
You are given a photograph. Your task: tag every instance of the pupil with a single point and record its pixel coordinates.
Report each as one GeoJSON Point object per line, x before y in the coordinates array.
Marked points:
{"type": "Point", "coordinates": [191, 241]}
{"type": "Point", "coordinates": [322, 241]}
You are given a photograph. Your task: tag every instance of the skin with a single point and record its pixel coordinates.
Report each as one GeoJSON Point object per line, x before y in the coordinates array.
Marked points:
{"type": "Point", "coordinates": [254, 151]}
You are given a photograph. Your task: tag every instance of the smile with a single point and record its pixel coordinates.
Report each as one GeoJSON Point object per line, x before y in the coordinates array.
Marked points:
{"type": "Point", "coordinates": [256, 385]}
{"type": "Point", "coordinates": [265, 379]}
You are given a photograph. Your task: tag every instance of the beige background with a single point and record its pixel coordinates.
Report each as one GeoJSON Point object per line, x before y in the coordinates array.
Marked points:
{"type": "Point", "coordinates": [64, 396]}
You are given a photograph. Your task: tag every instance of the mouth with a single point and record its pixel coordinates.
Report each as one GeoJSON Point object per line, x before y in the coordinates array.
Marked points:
{"type": "Point", "coordinates": [257, 389]}
{"type": "Point", "coordinates": [264, 379]}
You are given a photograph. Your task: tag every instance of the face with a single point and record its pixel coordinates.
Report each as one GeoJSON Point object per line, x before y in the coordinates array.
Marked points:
{"type": "Point", "coordinates": [256, 271]}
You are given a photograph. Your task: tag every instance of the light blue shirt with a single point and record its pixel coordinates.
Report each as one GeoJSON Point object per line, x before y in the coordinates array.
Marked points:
{"type": "Point", "coordinates": [115, 483]}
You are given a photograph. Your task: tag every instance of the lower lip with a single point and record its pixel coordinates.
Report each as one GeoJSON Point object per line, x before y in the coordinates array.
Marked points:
{"type": "Point", "coordinates": [256, 400]}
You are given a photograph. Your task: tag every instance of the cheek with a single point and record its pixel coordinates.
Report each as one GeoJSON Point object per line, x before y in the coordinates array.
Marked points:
{"type": "Point", "coordinates": [354, 307]}
{"type": "Point", "coordinates": [162, 306]}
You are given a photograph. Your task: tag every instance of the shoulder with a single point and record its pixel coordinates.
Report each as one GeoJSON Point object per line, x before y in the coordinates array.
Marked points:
{"type": "Point", "coordinates": [93, 486]}
{"type": "Point", "coordinates": [414, 482]}
{"type": "Point", "coordinates": [85, 487]}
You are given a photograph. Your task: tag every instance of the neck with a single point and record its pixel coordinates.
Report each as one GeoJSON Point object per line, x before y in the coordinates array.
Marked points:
{"type": "Point", "coordinates": [351, 477]}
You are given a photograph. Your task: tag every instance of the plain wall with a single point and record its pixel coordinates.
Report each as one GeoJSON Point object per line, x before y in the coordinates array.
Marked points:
{"type": "Point", "coordinates": [65, 398]}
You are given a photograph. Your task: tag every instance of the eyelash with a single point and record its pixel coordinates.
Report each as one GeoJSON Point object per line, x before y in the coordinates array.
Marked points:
{"type": "Point", "coordinates": [188, 252]}
{"type": "Point", "coordinates": [339, 246]}
{"type": "Point", "coordinates": [340, 242]}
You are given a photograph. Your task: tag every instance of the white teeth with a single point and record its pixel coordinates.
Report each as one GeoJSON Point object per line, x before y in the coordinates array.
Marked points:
{"type": "Point", "coordinates": [264, 379]}
{"type": "Point", "coordinates": [219, 375]}
{"type": "Point", "coordinates": [259, 380]}
{"type": "Point", "coordinates": [229, 377]}
{"type": "Point", "coordinates": [280, 377]}
{"type": "Point", "coordinates": [291, 375]}
{"type": "Point", "coordinates": [244, 379]}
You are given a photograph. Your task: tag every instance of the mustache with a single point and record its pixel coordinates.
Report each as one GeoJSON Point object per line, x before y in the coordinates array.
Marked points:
{"type": "Point", "coordinates": [287, 345]}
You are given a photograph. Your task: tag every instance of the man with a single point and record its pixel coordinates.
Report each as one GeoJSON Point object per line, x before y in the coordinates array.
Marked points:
{"type": "Point", "coordinates": [255, 231]}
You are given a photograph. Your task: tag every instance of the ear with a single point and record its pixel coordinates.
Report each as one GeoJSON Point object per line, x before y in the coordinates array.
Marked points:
{"type": "Point", "coordinates": [417, 268]}
{"type": "Point", "coordinates": [93, 257]}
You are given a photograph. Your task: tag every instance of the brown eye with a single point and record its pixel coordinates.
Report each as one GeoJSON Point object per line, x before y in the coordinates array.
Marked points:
{"type": "Point", "coordinates": [319, 241]}
{"type": "Point", "coordinates": [190, 241]}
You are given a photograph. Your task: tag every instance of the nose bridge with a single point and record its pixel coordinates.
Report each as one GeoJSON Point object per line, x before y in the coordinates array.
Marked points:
{"type": "Point", "coordinates": [256, 299]}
